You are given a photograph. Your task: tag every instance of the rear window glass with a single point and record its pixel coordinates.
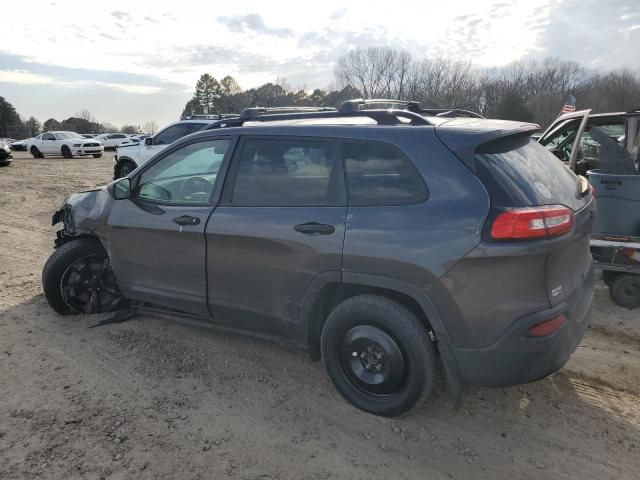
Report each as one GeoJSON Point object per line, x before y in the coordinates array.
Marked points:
{"type": "Point", "coordinates": [379, 174]}
{"type": "Point", "coordinates": [519, 172]}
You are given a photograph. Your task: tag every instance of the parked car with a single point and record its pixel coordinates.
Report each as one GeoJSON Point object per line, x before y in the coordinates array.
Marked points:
{"type": "Point", "coordinates": [19, 145]}
{"type": "Point", "coordinates": [377, 240]}
{"type": "Point", "coordinates": [89, 135]}
{"type": "Point", "coordinates": [5, 154]}
{"type": "Point", "coordinates": [128, 157]}
{"type": "Point", "coordinates": [67, 144]}
{"type": "Point", "coordinates": [112, 140]}
{"type": "Point", "coordinates": [618, 130]}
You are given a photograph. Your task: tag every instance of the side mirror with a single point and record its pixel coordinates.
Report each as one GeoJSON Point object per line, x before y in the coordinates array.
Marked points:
{"type": "Point", "coordinates": [148, 141]}
{"type": "Point", "coordinates": [121, 189]}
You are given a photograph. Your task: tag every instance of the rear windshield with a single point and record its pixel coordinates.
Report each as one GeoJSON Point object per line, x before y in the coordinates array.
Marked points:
{"type": "Point", "coordinates": [519, 172]}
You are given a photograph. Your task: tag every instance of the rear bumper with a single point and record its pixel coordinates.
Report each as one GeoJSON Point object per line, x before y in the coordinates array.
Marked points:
{"type": "Point", "coordinates": [516, 359]}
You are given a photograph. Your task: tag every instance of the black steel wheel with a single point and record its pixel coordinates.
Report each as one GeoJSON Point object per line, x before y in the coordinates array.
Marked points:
{"type": "Point", "coordinates": [378, 355]}
{"type": "Point", "coordinates": [625, 290]}
{"type": "Point", "coordinates": [78, 278]}
{"type": "Point", "coordinates": [372, 360]}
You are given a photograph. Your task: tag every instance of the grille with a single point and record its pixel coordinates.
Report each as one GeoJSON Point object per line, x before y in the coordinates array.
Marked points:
{"type": "Point", "coordinates": [91, 145]}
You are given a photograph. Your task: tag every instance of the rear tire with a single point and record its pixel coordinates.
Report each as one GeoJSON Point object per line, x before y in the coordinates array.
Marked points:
{"type": "Point", "coordinates": [625, 290]}
{"type": "Point", "coordinates": [97, 155]}
{"type": "Point", "coordinates": [378, 355]}
{"type": "Point", "coordinates": [77, 278]}
{"type": "Point", "coordinates": [66, 152]}
{"type": "Point", "coordinates": [608, 276]}
{"type": "Point", "coordinates": [36, 153]}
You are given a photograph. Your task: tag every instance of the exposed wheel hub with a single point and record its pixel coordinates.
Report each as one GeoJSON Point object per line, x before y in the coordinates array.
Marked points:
{"type": "Point", "coordinates": [372, 360]}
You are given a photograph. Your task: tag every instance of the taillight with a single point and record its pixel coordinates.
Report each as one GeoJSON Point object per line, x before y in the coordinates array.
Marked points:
{"type": "Point", "coordinates": [534, 222]}
{"type": "Point", "coordinates": [547, 327]}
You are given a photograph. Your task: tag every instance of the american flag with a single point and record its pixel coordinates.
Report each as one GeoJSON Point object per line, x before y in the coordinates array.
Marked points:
{"type": "Point", "coordinates": [569, 106]}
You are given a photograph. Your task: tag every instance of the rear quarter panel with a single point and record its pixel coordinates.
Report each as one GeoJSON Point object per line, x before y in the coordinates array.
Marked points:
{"type": "Point", "coordinates": [418, 243]}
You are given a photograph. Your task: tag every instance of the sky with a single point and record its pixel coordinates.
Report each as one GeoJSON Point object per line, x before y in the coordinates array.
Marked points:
{"type": "Point", "coordinates": [130, 61]}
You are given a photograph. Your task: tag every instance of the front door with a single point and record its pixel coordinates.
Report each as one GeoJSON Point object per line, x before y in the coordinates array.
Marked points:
{"type": "Point", "coordinates": [49, 143]}
{"type": "Point", "coordinates": [156, 240]}
{"type": "Point", "coordinates": [563, 137]}
{"type": "Point", "coordinates": [279, 225]}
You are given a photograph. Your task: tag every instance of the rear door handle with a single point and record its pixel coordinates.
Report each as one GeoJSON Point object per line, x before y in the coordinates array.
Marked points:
{"type": "Point", "coordinates": [315, 228]}
{"type": "Point", "coordinates": [186, 220]}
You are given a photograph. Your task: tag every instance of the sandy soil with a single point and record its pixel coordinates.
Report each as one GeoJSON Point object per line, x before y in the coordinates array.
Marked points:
{"type": "Point", "coordinates": [154, 398]}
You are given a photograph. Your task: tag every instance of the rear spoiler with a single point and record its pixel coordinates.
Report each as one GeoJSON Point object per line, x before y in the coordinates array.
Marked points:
{"type": "Point", "coordinates": [464, 137]}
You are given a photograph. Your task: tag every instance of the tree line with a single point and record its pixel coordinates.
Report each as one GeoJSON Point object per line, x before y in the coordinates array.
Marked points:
{"type": "Point", "coordinates": [532, 91]}
{"type": "Point", "coordinates": [13, 126]}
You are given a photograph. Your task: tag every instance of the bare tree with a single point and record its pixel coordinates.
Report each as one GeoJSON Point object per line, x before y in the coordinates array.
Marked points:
{"type": "Point", "coordinates": [150, 127]}
{"type": "Point", "coordinates": [85, 115]}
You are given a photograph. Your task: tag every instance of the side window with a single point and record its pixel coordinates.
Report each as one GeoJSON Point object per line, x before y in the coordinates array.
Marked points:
{"type": "Point", "coordinates": [379, 174]}
{"type": "Point", "coordinates": [186, 176]}
{"type": "Point", "coordinates": [174, 132]}
{"type": "Point", "coordinates": [48, 136]}
{"type": "Point", "coordinates": [288, 172]}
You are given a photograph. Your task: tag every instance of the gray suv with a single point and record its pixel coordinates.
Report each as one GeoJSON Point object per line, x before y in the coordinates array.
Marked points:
{"type": "Point", "coordinates": [387, 242]}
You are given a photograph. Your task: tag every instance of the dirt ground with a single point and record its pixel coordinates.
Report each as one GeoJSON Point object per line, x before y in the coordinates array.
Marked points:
{"type": "Point", "coordinates": [159, 399]}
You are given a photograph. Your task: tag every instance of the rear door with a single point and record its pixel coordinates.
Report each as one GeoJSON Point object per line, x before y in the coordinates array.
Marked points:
{"type": "Point", "coordinates": [279, 225]}
{"type": "Point", "coordinates": [156, 241]}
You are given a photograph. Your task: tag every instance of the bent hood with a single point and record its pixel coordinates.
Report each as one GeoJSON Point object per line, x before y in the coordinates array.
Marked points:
{"type": "Point", "coordinates": [85, 212]}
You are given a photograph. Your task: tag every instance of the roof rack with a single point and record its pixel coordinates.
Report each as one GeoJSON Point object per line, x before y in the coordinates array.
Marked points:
{"type": "Point", "coordinates": [350, 108]}
{"type": "Point", "coordinates": [449, 112]}
{"type": "Point", "coordinates": [209, 117]}
{"type": "Point", "coordinates": [254, 112]}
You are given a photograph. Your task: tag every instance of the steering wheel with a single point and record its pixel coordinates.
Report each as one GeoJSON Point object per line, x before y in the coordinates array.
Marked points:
{"type": "Point", "coordinates": [155, 191]}
{"type": "Point", "coordinates": [193, 185]}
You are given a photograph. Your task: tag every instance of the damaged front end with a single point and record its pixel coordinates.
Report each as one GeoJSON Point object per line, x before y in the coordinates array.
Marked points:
{"type": "Point", "coordinates": [82, 214]}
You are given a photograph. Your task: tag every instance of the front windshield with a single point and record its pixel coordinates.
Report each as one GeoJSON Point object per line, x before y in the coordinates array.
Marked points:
{"type": "Point", "coordinates": [63, 135]}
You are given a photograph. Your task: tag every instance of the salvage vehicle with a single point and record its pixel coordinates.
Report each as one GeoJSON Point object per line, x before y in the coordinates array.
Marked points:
{"type": "Point", "coordinates": [19, 145]}
{"type": "Point", "coordinates": [130, 156]}
{"type": "Point", "coordinates": [5, 154]}
{"type": "Point", "coordinates": [67, 144]}
{"type": "Point", "coordinates": [606, 148]}
{"type": "Point", "coordinates": [386, 242]}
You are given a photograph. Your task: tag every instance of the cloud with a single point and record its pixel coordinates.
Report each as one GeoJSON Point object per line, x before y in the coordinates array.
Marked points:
{"type": "Point", "coordinates": [589, 32]}
{"type": "Point", "coordinates": [23, 77]}
{"type": "Point", "coordinates": [124, 16]}
{"type": "Point", "coordinates": [253, 23]}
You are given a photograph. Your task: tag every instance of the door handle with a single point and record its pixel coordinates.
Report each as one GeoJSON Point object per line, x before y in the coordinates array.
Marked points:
{"type": "Point", "coordinates": [186, 220]}
{"type": "Point", "coordinates": [315, 228]}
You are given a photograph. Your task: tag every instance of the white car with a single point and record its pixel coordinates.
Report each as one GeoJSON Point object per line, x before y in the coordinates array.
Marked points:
{"type": "Point", "coordinates": [67, 144]}
{"type": "Point", "coordinates": [112, 140]}
{"type": "Point", "coordinates": [130, 156]}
